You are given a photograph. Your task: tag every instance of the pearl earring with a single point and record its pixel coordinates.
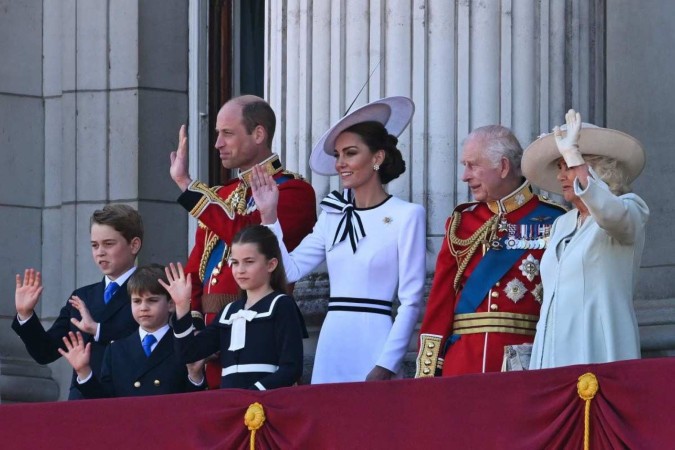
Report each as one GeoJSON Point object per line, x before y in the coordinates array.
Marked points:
{"type": "Point", "coordinates": [376, 167]}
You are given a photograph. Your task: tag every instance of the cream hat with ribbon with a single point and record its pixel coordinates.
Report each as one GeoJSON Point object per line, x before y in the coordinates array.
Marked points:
{"type": "Point", "coordinates": [392, 112]}
{"type": "Point", "coordinates": [540, 158]}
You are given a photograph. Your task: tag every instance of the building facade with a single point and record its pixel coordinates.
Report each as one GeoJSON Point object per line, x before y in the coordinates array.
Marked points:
{"type": "Point", "coordinates": [92, 94]}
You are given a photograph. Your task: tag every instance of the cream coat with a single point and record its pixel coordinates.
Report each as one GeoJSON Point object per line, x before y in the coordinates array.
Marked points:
{"type": "Point", "coordinates": [587, 313]}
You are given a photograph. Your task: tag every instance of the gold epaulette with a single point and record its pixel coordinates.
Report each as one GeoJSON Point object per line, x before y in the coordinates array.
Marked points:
{"type": "Point", "coordinates": [428, 356]}
{"type": "Point", "coordinates": [294, 175]}
{"type": "Point", "coordinates": [271, 166]}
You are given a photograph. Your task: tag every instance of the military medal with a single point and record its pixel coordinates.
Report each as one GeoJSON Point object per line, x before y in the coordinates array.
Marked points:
{"type": "Point", "coordinates": [503, 225]}
{"type": "Point", "coordinates": [511, 240]}
{"type": "Point", "coordinates": [529, 267]}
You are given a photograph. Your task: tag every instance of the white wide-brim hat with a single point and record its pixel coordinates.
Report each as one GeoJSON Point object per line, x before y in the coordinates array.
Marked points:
{"type": "Point", "coordinates": [540, 158]}
{"type": "Point", "coordinates": [392, 112]}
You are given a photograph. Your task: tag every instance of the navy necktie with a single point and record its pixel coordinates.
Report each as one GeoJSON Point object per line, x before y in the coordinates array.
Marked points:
{"type": "Point", "coordinates": [110, 290]}
{"type": "Point", "coordinates": [148, 340]}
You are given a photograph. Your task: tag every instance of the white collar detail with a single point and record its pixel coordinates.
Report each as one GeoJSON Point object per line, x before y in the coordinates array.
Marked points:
{"type": "Point", "coordinates": [238, 333]}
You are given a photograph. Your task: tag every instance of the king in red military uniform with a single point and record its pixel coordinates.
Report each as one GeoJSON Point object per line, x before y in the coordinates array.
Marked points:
{"type": "Point", "coordinates": [486, 291]}
{"type": "Point", "coordinates": [245, 127]}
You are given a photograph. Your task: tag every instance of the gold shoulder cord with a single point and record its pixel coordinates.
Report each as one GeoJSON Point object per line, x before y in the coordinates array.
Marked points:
{"type": "Point", "coordinates": [210, 241]}
{"type": "Point", "coordinates": [463, 256]}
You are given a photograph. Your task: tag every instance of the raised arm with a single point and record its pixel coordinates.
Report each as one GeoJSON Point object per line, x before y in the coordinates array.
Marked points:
{"type": "Point", "coordinates": [179, 288]}
{"type": "Point", "coordinates": [77, 354]}
{"type": "Point", "coordinates": [619, 216]}
{"type": "Point", "coordinates": [310, 252]}
{"type": "Point", "coordinates": [179, 170]}
{"type": "Point", "coordinates": [266, 195]}
{"type": "Point", "coordinates": [568, 145]}
{"type": "Point", "coordinates": [27, 293]}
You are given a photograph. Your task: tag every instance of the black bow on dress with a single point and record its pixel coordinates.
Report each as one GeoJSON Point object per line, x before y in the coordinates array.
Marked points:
{"type": "Point", "coordinates": [350, 224]}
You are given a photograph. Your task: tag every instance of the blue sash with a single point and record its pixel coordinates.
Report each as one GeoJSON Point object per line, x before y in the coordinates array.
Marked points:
{"type": "Point", "coordinates": [214, 259]}
{"type": "Point", "coordinates": [492, 267]}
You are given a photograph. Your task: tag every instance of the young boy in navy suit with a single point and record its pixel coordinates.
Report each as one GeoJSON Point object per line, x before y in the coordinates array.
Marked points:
{"type": "Point", "coordinates": [144, 362]}
{"type": "Point", "coordinates": [102, 311]}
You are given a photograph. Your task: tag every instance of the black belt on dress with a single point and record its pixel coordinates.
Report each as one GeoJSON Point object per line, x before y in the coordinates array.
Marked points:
{"type": "Point", "coordinates": [359, 305]}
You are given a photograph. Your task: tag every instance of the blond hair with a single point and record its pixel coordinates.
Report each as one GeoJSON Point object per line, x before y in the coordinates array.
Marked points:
{"type": "Point", "coordinates": [611, 172]}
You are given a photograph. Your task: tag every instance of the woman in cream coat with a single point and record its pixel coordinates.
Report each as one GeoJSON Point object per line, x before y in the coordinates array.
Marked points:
{"type": "Point", "coordinates": [590, 267]}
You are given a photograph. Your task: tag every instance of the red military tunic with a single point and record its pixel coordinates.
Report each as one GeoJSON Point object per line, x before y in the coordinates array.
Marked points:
{"type": "Point", "coordinates": [509, 311]}
{"type": "Point", "coordinates": [224, 210]}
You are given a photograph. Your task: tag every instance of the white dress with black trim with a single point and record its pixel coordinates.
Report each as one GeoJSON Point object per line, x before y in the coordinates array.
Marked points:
{"type": "Point", "coordinates": [373, 255]}
{"type": "Point", "coordinates": [260, 348]}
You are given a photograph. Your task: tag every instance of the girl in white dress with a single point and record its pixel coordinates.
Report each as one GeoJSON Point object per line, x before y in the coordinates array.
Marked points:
{"type": "Point", "coordinates": [373, 245]}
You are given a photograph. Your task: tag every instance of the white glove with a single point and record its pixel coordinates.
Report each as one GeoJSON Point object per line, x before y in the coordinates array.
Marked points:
{"type": "Point", "coordinates": [568, 146]}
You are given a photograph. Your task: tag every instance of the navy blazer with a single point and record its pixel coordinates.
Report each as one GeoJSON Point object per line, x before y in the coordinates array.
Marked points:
{"type": "Point", "coordinates": [115, 319]}
{"type": "Point", "coordinates": [128, 372]}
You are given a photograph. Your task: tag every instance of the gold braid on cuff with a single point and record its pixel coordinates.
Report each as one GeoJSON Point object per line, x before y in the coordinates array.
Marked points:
{"type": "Point", "coordinates": [427, 358]}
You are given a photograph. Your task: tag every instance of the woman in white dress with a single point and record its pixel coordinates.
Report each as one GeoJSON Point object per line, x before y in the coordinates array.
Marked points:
{"type": "Point", "coordinates": [590, 266]}
{"type": "Point", "coordinates": [373, 245]}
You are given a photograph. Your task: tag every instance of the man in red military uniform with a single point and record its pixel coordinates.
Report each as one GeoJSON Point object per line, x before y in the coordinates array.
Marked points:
{"type": "Point", "coordinates": [486, 291]}
{"type": "Point", "coordinates": [245, 127]}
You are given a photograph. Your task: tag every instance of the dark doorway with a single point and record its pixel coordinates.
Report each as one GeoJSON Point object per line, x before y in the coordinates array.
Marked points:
{"type": "Point", "coordinates": [236, 62]}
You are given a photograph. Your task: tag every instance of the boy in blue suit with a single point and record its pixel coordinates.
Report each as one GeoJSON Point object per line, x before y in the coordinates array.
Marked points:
{"type": "Point", "coordinates": [143, 363]}
{"type": "Point", "coordinates": [102, 311]}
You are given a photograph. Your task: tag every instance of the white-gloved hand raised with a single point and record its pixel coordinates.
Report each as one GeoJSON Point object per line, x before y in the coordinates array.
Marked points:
{"type": "Point", "coordinates": [568, 146]}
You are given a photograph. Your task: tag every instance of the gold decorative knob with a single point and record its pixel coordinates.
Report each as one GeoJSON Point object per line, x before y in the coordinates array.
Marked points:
{"type": "Point", "coordinates": [587, 386]}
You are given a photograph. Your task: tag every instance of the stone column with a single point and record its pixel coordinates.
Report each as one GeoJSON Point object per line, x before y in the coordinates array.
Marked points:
{"type": "Point", "coordinates": [464, 63]}
{"type": "Point", "coordinates": [30, 116]}
{"type": "Point", "coordinates": [467, 63]}
{"type": "Point", "coordinates": [93, 94]}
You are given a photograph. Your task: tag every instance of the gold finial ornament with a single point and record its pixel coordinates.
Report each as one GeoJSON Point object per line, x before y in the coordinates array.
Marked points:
{"type": "Point", "coordinates": [587, 387]}
{"type": "Point", "coordinates": [254, 420]}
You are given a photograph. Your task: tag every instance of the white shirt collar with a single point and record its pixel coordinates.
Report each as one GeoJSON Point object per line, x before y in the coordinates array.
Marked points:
{"type": "Point", "coordinates": [159, 334]}
{"type": "Point", "coordinates": [122, 278]}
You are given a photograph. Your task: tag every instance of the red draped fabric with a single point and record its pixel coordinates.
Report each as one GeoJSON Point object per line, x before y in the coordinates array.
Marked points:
{"type": "Point", "coordinates": [524, 410]}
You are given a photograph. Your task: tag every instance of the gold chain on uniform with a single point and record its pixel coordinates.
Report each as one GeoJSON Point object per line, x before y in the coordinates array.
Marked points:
{"type": "Point", "coordinates": [471, 244]}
